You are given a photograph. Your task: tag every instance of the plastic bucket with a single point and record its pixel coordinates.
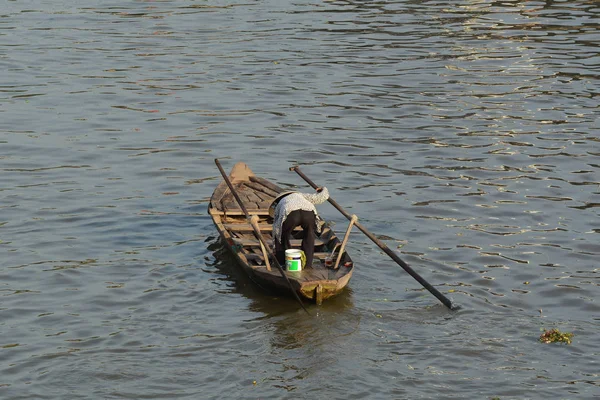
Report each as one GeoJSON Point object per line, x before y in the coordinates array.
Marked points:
{"type": "Point", "coordinates": [293, 259]}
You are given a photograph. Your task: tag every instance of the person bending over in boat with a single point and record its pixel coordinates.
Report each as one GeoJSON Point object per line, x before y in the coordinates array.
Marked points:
{"type": "Point", "coordinates": [297, 209]}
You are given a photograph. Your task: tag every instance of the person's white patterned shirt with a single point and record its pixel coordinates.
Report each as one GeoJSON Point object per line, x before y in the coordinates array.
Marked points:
{"type": "Point", "coordinates": [297, 201]}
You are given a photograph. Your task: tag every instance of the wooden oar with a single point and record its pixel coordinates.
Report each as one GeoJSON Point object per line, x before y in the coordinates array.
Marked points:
{"type": "Point", "coordinates": [353, 220]}
{"type": "Point", "coordinates": [254, 223]}
{"type": "Point", "coordinates": [384, 247]}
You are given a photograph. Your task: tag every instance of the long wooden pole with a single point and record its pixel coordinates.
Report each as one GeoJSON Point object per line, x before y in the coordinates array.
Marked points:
{"type": "Point", "coordinates": [384, 247]}
{"type": "Point", "coordinates": [253, 221]}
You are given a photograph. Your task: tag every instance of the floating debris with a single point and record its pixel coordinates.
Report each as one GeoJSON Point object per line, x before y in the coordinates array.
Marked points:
{"type": "Point", "coordinates": [554, 335]}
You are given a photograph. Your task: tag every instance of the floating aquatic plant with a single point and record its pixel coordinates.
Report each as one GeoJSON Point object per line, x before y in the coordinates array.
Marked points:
{"type": "Point", "coordinates": [554, 335]}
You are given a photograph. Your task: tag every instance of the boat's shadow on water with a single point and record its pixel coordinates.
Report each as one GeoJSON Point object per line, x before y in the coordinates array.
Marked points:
{"type": "Point", "coordinates": [262, 300]}
{"type": "Point", "coordinates": [282, 320]}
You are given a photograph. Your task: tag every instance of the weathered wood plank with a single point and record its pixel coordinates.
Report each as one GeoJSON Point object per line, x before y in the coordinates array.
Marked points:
{"type": "Point", "coordinates": [219, 193]}
{"type": "Point", "coordinates": [230, 206]}
{"type": "Point", "coordinates": [262, 189]}
{"type": "Point", "coordinates": [254, 242]}
{"type": "Point", "coordinates": [264, 204]}
{"type": "Point", "coordinates": [266, 183]}
{"type": "Point", "coordinates": [243, 227]}
{"type": "Point", "coordinates": [252, 197]}
{"type": "Point", "coordinates": [248, 227]}
{"type": "Point", "coordinates": [238, 212]}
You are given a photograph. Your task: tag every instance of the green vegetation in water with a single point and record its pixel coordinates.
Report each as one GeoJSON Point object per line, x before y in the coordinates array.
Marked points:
{"type": "Point", "coordinates": [554, 335]}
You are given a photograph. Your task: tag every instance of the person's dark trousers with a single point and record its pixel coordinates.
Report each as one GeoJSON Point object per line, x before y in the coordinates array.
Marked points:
{"type": "Point", "coordinates": [305, 219]}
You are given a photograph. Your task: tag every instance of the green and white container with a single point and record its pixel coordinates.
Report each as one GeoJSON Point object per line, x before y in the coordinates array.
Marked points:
{"type": "Point", "coordinates": [293, 260]}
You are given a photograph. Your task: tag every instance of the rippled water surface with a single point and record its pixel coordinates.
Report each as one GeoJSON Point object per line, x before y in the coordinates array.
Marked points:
{"type": "Point", "coordinates": [465, 134]}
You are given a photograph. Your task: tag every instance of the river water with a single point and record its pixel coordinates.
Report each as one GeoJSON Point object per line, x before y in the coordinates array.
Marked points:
{"type": "Point", "coordinates": [465, 134]}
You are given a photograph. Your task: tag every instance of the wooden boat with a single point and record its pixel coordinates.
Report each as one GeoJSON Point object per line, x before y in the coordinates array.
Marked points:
{"type": "Point", "coordinates": [314, 283]}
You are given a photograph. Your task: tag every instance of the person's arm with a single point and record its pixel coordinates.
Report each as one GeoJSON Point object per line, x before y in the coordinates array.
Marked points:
{"type": "Point", "coordinates": [319, 197]}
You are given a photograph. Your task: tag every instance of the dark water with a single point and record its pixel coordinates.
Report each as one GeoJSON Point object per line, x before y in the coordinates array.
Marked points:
{"type": "Point", "coordinates": [465, 134]}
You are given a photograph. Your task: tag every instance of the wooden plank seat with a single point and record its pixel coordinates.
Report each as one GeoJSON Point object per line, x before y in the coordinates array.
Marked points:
{"type": "Point", "coordinates": [245, 228]}
{"type": "Point", "coordinates": [242, 227]}
{"type": "Point", "coordinates": [254, 242]}
{"type": "Point", "coordinates": [236, 212]}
